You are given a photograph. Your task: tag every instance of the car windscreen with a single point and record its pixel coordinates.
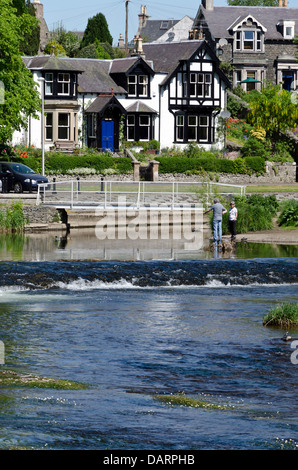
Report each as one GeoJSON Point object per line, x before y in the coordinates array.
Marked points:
{"type": "Point", "coordinates": [20, 168]}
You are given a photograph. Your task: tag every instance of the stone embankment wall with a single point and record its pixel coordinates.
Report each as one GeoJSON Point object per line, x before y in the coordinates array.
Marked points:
{"type": "Point", "coordinates": [40, 214]}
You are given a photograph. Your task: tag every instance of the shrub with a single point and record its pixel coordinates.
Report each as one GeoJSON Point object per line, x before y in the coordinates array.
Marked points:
{"type": "Point", "coordinates": [289, 214]}
{"type": "Point", "coordinates": [254, 213]}
{"type": "Point", "coordinates": [255, 148]}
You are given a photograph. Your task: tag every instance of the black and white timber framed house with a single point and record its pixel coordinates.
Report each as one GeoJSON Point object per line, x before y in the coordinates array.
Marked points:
{"type": "Point", "coordinates": [171, 92]}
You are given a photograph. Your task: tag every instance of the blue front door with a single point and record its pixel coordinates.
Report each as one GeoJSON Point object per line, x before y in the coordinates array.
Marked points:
{"type": "Point", "coordinates": [108, 135]}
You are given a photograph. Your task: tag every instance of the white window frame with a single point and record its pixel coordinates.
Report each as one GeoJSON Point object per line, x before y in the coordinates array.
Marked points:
{"type": "Point", "coordinates": [143, 85]}
{"type": "Point", "coordinates": [147, 124]}
{"type": "Point", "coordinates": [193, 126]}
{"type": "Point", "coordinates": [132, 82]}
{"type": "Point", "coordinates": [64, 80]}
{"type": "Point", "coordinates": [130, 125]}
{"type": "Point", "coordinates": [48, 85]}
{"type": "Point", "coordinates": [48, 126]}
{"type": "Point", "coordinates": [205, 126]}
{"type": "Point", "coordinates": [62, 126]}
{"type": "Point", "coordinates": [201, 83]}
{"type": "Point", "coordinates": [179, 128]}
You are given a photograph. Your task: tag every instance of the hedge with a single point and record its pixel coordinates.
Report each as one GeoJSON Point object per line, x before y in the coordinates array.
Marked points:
{"type": "Point", "coordinates": [181, 164]}
{"type": "Point", "coordinates": [60, 163]}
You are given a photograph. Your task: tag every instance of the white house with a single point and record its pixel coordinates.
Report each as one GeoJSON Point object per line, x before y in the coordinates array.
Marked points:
{"type": "Point", "coordinates": [172, 92]}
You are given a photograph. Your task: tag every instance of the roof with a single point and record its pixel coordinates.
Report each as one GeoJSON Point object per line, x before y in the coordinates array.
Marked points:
{"type": "Point", "coordinates": [220, 19]}
{"type": "Point", "coordinates": [166, 56]}
{"type": "Point", "coordinates": [93, 73]}
{"type": "Point", "coordinates": [124, 65]}
{"type": "Point", "coordinates": [140, 107]}
{"type": "Point", "coordinates": [102, 102]}
{"type": "Point", "coordinates": [153, 29]}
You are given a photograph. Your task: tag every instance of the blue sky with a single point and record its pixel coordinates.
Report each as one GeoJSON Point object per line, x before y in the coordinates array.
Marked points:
{"type": "Point", "coordinates": [74, 14]}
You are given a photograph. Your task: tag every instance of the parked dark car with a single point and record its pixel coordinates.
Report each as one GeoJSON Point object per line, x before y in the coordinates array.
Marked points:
{"type": "Point", "coordinates": [19, 177]}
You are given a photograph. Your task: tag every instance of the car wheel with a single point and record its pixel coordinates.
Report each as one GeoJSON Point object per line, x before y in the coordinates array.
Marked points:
{"type": "Point", "coordinates": [18, 188]}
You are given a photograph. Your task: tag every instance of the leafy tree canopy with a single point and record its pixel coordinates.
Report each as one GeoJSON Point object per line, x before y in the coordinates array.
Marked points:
{"type": "Point", "coordinates": [70, 41]}
{"type": "Point", "coordinates": [272, 109]}
{"type": "Point", "coordinates": [97, 28]}
{"type": "Point", "coordinates": [21, 98]}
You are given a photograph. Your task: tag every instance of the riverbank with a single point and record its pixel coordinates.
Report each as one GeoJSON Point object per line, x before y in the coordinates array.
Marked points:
{"type": "Point", "coordinates": [277, 236]}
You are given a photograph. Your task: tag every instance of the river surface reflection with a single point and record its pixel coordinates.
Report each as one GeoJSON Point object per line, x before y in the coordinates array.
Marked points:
{"type": "Point", "coordinates": [83, 244]}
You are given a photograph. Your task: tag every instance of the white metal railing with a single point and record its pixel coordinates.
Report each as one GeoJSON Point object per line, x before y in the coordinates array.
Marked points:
{"type": "Point", "coordinates": [84, 193]}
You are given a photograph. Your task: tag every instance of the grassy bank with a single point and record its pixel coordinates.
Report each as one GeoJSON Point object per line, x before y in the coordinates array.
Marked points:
{"type": "Point", "coordinates": [12, 218]}
{"type": "Point", "coordinates": [284, 315]}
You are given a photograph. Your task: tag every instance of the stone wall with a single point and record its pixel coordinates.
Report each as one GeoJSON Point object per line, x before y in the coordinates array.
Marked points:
{"type": "Point", "coordinates": [40, 214]}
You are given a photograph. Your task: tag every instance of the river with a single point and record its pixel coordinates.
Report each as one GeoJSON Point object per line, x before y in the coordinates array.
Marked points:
{"type": "Point", "coordinates": [139, 322]}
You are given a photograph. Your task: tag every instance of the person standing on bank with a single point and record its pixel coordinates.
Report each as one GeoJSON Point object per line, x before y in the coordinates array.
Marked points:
{"type": "Point", "coordinates": [218, 211]}
{"type": "Point", "coordinates": [233, 213]}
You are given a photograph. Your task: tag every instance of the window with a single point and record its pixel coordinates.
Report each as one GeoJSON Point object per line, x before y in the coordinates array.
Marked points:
{"type": "Point", "coordinates": [252, 85]}
{"type": "Point", "coordinates": [193, 128]}
{"type": "Point", "coordinates": [248, 40]}
{"type": "Point", "coordinates": [138, 85]}
{"type": "Point", "coordinates": [130, 127]}
{"type": "Point", "coordinates": [63, 83]}
{"type": "Point", "coordinates": [48, 84]}
{"type": "Point", "coordinates": [144, 130]}
{"type": "Point", "coordinates": [49, 126]}
{"type": "Point", "coordinates": [200, 84]}
{"type": "Point", "coordinates": [143, 85]}
{"type": "Point", "coordinates": [203, 128]}
{"type": "Point", "coordinates": [180, 128]}
{"type": "Point", "coordinates": [63, 126]}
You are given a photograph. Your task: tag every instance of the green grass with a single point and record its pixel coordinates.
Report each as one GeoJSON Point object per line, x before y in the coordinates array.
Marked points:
{"type": "Point", "coordinates": [283, 315]}
{"type": "Point", "coordinates": [272, 188]}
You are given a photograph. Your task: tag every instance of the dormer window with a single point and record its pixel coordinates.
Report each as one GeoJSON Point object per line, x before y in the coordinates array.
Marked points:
{"type": "Point", "coordinates": [63, 84]}
{"type": "Point", "coordinates": [248, 40]}
{"type": "Point", "coordinates": [287, 28]}
{"type": "Point", "coordinates": [138, 86]}
{"type": "Point", "coordinates": [248, 34]}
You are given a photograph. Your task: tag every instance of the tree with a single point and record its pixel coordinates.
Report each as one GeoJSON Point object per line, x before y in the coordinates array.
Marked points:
{"type": "Point", "coordinates": [97, 28]}
{"type": "Point", "coordinates": [29, 44]}
{"type": "Point", "coordinates": [54, 47]}
{"type": "Point", "coordinates": [21, 98]}
{"type": "Point", "coordinates": [272, 110]}
{"type": "Point", "coordinates": [70, 41]}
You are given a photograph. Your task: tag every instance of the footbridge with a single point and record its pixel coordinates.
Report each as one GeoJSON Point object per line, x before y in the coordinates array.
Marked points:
{"type": "Point", "coordinates": [91, 194]}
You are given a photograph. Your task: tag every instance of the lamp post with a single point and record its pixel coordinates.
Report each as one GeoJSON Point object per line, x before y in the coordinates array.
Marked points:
{"type": "Point", "coordinates": [42, 80]}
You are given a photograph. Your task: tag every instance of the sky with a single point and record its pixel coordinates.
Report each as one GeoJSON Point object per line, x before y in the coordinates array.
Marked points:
{"type": "Point", "coordinates": [74, 14]}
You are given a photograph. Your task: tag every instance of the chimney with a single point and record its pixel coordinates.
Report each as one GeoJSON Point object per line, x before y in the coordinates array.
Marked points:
{"type": "Point", "coordinates": [208, 4]}
{"type": "Point", "coordinates": [121, 42]}
{"type": "Point", "coordinates": [143, 17]}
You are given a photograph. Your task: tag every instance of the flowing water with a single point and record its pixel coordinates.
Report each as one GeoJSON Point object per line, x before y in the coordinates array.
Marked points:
{"type": "Point", "coordinates": [134, 327]}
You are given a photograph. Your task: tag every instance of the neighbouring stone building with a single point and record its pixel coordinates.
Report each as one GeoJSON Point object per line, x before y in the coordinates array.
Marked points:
{"type": "Point", "coordinates": [255, 42]}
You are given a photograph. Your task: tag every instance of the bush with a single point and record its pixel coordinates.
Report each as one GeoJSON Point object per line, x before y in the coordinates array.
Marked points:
{"type": "Point", "coordinates": [289, 214]}
{"type": "Point", "coordinates": [61, 164]}
{"type": "Point", "coordinates": [255, 148]}
{"type": "Point", "coordinates": [254, 213]}
{"type": "Point", "coordinates": [182, 164]}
